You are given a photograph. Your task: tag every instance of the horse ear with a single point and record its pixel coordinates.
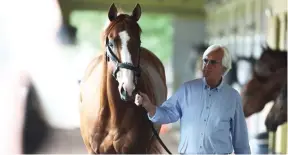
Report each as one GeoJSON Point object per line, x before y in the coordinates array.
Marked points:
{"type": "Point", "coordinates": [112, 14]}
{"type": "Point", "coordinates": [137, 12]}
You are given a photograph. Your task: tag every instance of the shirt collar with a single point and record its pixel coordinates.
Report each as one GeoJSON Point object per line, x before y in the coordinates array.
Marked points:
{"type": "Point", "coordinates": [206, 86]}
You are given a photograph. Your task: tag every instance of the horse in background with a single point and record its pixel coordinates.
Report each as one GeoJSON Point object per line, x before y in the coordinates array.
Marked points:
{"type": "Point", "coordinates": [268, 81]}
{"type": "Point", "coordinates": [110, 122]}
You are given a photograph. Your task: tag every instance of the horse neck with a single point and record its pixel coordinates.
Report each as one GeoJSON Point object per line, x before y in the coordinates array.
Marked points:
{"type": "Point", "coordinates": [109, 96]}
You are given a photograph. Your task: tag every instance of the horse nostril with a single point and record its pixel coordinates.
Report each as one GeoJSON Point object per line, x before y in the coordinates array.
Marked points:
{"type": "Point", "coordinates": [123, 91]}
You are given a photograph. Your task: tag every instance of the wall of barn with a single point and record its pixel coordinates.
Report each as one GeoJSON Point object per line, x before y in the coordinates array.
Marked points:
{"type": "Point", "coordinates": [187, 33]}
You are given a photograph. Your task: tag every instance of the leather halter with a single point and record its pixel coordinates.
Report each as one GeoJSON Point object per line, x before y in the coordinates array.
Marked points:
{"type": "Point", "coordinates": [111, 56]}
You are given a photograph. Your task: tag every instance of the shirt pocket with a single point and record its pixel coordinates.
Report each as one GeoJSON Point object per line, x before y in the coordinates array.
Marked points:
{"type": "Point", "coordinates": [222, 118]}
{"type": "Point", "coordinates": [222, 124]}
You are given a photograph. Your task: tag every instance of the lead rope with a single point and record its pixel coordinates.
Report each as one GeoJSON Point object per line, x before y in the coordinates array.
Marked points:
{"type": "Point", "coordinates": [157, 135]}
{"type": "Point", "coordinates": [159, 139]}
{"type": "Point", "coordinates": [152, 126]}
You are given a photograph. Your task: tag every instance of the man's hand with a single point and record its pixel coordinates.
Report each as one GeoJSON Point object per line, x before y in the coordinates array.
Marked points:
{"type": "Point", "coordinates": [142, 99]}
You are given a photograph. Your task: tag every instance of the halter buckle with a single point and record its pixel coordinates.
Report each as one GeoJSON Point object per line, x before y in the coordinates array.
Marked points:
{"type": "Point", "coordinates": [114, 74]}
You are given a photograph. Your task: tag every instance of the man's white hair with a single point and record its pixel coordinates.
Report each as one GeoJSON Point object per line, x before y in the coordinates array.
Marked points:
{"type": "Point", "coordinates": [226, 60]}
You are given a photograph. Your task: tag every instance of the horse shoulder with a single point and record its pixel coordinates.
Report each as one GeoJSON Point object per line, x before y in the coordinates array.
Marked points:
{"type": "Point", "coordinates": [94, 63]}
{"type": "Point", "coordinates": [90, 97]}
{"type": "Point", "coordinates": [92, 76]}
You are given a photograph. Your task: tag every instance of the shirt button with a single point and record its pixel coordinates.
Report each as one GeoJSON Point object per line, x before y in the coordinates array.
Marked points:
{"type": "Point", "coordinates": [207, 107]}
{"type": "Point", "coordinates": [201, 133]}
{"type": "Point", "coordinates": [204, 120]}
{"type": "Point", "coordinates": [209, 94]}
{"type": "Point", "coordinates": [200, 146]}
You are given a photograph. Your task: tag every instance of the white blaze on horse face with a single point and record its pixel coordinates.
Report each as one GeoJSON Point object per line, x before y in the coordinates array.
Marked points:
{"type": "Point", "coordinates": [126, 78]}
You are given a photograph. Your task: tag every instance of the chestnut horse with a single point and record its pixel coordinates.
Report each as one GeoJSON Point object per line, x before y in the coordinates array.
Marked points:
{"type": "Point", "coordinates": [110, 120]}
{"type": "Point", "coordinates": [269, 77]}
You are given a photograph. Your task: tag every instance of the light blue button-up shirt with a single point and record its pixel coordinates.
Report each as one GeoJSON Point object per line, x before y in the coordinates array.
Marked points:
{"type": "Point", "coordinates": [212, 120]}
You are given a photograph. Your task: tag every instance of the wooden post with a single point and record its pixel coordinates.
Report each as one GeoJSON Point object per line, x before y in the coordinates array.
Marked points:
{"type": "Point", "coordinates": [281, 139]}
{"type": "Point", "coordinates": [271, 142]}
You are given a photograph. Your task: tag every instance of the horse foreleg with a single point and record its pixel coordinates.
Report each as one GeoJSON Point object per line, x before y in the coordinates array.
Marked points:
{"type": "Point", "coordinates": [107, 145]}
{"type": "Point", "coordinates": [101, 142]}
{"type": "Point", "coordinates": [87, 145]}
{"type": "Point", "coordinates": [90, 150]}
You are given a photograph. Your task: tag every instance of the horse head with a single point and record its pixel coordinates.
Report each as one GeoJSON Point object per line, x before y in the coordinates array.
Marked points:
{"type": "Point", "coordinates": [122, 43]}
{"type": "Point", "coordinates": [270, 61]}
{"type": "Point", "coordinates": [269, 74]}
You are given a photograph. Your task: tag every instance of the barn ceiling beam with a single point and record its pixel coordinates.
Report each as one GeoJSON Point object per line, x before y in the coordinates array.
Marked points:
{"type": "Point", "coordinates": [182, 8]}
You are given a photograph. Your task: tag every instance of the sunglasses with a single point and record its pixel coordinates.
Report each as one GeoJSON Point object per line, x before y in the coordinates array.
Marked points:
{"type": "Point", "coordinates": [213, 62]}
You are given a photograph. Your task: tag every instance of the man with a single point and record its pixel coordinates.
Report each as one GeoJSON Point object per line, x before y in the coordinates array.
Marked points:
{"type": "Point", "coordinates": [210, 111]}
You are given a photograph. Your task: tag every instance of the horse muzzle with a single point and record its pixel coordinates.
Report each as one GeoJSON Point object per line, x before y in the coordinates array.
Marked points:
{"type": "Point", "coordinates": [124, 95]}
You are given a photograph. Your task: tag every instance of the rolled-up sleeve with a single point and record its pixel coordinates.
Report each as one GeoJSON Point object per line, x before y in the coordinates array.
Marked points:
{"type": "Point", "coordinates": [239, 130]}
{"type": "Point", "coordinates": [170, 111]}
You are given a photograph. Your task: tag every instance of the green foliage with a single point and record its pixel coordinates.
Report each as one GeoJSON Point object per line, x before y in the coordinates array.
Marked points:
{"type": "Point", "coordinates": [156, 36]}
{"type": "Point", "coordinates": [89, 24]}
